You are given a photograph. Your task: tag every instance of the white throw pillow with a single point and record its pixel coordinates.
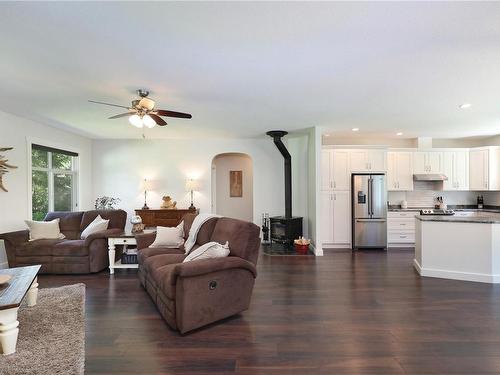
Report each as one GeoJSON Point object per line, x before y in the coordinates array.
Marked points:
{"type": "Point", "coordinates": [97, 225]}
{"type": "Point", "coordinates": [208, 251]}
{"type": "Point", "coordinates": [171, 237]}
{"type": "Point", "coordinates": [44, 230]}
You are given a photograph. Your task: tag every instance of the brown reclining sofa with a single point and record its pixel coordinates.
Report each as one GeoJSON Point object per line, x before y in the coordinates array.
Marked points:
{"type": "Point", "coordinates": [192, 294]}
{"type": "Point", "coordinates": [69, 255]}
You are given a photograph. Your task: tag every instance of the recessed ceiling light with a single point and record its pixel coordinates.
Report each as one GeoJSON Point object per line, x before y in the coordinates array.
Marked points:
{"type": "Point", "coordinates": [399, 133]}
{"type": "Point", "coordinates": [326, 135]}
{"type": "Point", "coordinates": [355, 129]}
{"type": "Point", "coordinates": [464, 106]}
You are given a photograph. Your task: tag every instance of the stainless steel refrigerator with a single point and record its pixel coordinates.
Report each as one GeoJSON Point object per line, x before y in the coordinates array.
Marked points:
{"type": "Point", "coordinates": [369, 211]}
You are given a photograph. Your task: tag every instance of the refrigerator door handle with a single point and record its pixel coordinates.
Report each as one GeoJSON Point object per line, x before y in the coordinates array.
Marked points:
{"type": "Point", "coordinates": [370, 196]}
{"type": "Point", "coordinates": [371, 220]}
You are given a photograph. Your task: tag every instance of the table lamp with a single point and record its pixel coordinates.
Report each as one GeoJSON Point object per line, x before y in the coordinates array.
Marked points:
{"type": "Point", "coordinates": [192, 186]}
{"type": "Point", "coordinates": [146, 186]}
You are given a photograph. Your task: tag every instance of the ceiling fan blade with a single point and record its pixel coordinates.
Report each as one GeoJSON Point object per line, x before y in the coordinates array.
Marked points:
{"type": "Point", "coordinates": [163, 112]}
{"type": "Point", "coordinates": [121, 115]}
{"type": "Point", "coordinates": [113, 105]}
{"type": "Point", "coordinates": [158, 119]}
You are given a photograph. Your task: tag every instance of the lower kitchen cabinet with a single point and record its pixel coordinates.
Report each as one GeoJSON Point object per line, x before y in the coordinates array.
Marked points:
{"type": "Point", "coordinates": [401, 228]}
{"type": "Point", "coordinates": [336, 219]}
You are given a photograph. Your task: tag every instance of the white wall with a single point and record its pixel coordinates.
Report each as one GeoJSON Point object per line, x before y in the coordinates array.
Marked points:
{"type": "Point", "coordinates": [225, 205]}
{"type": "Point", "coordinates": [313, 200]}
{"type": "Point", "coordinates": [16, 132]}
{"type": "Point", "coordinates": [297, 145]}
{"type": "Point", "coordinates": [119, 166]}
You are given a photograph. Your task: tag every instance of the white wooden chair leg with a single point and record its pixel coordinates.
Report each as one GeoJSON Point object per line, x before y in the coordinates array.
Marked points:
{"type": "Point", "coordinates": [8, 330]}
{"type": "Point", "coordinates": [32, 294]}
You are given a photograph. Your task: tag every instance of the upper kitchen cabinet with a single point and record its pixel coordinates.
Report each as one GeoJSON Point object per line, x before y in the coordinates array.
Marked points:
{"type": "Point", "coordinates": [368, 160]}
{"type": "Point", "coordinates": [399, 171]}
{"type": "Point", "coordinates": [335, 173]}
{"type": "Point", "coordinates": [484, 169]}
{"type": "Point", "coordinates": [326, 169]}
{"type": "Point", "coordinates": [425, 162]}
{"type": "Point", "coordinates": [456, 168]}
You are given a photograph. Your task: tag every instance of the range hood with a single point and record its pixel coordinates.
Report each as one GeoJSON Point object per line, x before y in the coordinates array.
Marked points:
{"type": "Point", "coordinates": [430, 177]}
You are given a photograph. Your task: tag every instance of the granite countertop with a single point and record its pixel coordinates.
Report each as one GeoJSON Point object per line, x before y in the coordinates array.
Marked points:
{"type": "Point", "coordinates": [479, 219]}
{"type": "Point", "coordinates": [458, 208]}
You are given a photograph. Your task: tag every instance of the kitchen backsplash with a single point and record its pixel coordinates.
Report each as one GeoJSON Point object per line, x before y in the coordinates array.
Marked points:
{"type": "Point", "coordinates": [424, 195]}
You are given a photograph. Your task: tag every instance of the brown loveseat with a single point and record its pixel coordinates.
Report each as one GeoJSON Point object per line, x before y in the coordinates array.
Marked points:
{"type": "Point", "coordinates": [192, 294]}
{"type": "Point", "coordinates": [69, 255]}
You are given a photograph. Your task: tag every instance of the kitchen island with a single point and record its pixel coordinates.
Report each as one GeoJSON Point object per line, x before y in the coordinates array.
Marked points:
{"type": "Point", "coordinates": [459, 247]}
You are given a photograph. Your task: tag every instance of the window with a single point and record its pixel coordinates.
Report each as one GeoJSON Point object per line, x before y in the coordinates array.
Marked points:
{"type": "Point", "coordinates": [53, 180]}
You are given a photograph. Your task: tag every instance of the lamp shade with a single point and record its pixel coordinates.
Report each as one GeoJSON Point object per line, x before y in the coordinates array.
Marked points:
{"type": "Point", "coordinates": [192, 185]}
{"type": "Point", "coordinates": [136, 121]}
{"type": "Point", "coordinates": [146, 185]}
{"type": "Point", "coordinates": [148, 121]}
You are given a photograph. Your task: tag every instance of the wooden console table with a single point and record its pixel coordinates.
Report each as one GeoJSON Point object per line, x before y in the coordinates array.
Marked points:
{"type": "Point", "coordinates": [163, 218]}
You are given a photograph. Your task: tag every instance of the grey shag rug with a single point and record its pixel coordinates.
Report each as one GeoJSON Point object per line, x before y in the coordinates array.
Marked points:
{"type": "Point", "coordinates": [51, 334]}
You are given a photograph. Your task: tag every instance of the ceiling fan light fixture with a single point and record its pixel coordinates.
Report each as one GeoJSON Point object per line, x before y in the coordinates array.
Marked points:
{"type": "Point", "coordinates": [148, 121]}
{"type": "Point", "coordinates": [136, 121]}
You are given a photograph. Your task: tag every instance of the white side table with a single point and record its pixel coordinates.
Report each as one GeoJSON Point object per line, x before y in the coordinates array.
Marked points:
{"type": "Point", "coordinates": [126, 239]}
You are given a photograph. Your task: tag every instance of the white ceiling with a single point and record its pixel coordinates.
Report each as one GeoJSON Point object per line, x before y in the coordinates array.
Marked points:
{"type": "Point", "coordinates": [244, 68]}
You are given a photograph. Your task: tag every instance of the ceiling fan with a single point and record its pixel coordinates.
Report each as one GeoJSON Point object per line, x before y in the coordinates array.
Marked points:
{"type": "Point", "coordinates": [142, 112]}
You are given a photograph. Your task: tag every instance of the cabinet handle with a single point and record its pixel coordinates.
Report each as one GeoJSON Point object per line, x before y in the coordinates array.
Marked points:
{"type": "Point", "coordinates": [402, 236]}
{"type": "Point", "coordinates": [402, 224]}
{"type": "Point", "coordinates": [334, 184]}
{"type": "Point", "coordinates": [334, 197]}
{"type": "Point", "coordinates": [331, 184]}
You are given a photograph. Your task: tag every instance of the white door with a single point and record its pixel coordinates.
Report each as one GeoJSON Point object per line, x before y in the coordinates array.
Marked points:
{"type": "Point", "coordinates": [420, 162]}
{"type": "Point", "coordinates": [392, 178]}
{"type": "Point", "coordinates": [376, 160]}
{"type": "Point", "coordinates": [461, 170]}
{"type": "Point", "coordinates": [327, 217]}
{"type": "Point", "coordinates": [358, 161]}
{"type": "Point", "coordinates": [434, 162]}
{"type": "Point", "coordinates": [340, 172]}
{"type": "Point", "coordinates": [404, 170]}
{"type": "Point", "coordinates": [478, 167]}
{"type": "Point", "coordinates": [341, 217]}
{"type": "Point", "coordinates": [326, 177]}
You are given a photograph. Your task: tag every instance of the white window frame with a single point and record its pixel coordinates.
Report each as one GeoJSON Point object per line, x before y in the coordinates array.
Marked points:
{"type": "Point", "coordinates": [75, 169]}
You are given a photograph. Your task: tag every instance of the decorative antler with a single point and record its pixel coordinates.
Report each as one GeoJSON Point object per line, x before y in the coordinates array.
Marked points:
{"type": "Point", "coordinates": [4, 166]}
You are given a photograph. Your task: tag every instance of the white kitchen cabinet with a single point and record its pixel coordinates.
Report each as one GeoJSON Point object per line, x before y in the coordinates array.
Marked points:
{"type": "Point", "coordinates": [456, 168]}
{"type": "Point", "coordinates": [335, 174]}
{"type": "Point", "coordinates": [479, 168]}
{"type": "Point", "coordinates": [326, 217]}
{"type": "Point", "coordinates": [399, 171]}
{"type": "Point", "coordinates": [425, 162]}
{"type": "Point", "coordinates": [368, 160]}
{"type": "Point", "coordinates": [401, 228]}
{"type": "Point", "coordinates": [341, 217]}
{"type": "Point", "coordinates": [484, 169]}
{"type": "Point", "coordinates": [326, 170]}
{"type": "Point", "coordinates": [336, 218]}
{"type": "Point", "coordinates": [341, 176]}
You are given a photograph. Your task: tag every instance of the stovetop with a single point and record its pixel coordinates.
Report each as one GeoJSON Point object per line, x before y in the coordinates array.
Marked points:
{"type": "Point", "coordinates": [437, 211]}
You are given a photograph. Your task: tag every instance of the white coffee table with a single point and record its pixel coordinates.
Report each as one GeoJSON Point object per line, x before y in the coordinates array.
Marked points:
{"type": "Point", "coordinates": [126, 239]}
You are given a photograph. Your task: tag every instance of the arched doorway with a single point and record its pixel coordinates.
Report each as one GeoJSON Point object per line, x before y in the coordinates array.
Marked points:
{"type": "Point", "coordinates": [232, 186]}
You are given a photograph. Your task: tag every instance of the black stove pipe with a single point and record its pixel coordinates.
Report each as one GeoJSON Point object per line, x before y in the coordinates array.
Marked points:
{"type": "Point", "coordinates": [277, 135]}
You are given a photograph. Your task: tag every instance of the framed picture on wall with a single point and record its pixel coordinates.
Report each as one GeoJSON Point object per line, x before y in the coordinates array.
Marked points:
{"type": "Point", "coordinates": [236, 184]}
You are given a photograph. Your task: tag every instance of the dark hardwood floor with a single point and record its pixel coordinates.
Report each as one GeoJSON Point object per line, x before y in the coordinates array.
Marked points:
{"type": "Point", "coordinates": [341, 313]}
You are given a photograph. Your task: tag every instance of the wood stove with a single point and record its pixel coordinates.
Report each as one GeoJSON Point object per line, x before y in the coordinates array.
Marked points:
{"type": "Point", "coordinates": [285, 229]}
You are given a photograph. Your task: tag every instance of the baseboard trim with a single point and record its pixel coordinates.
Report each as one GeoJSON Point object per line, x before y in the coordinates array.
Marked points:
{"type": "Point", "coordinates": [456, 275]}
